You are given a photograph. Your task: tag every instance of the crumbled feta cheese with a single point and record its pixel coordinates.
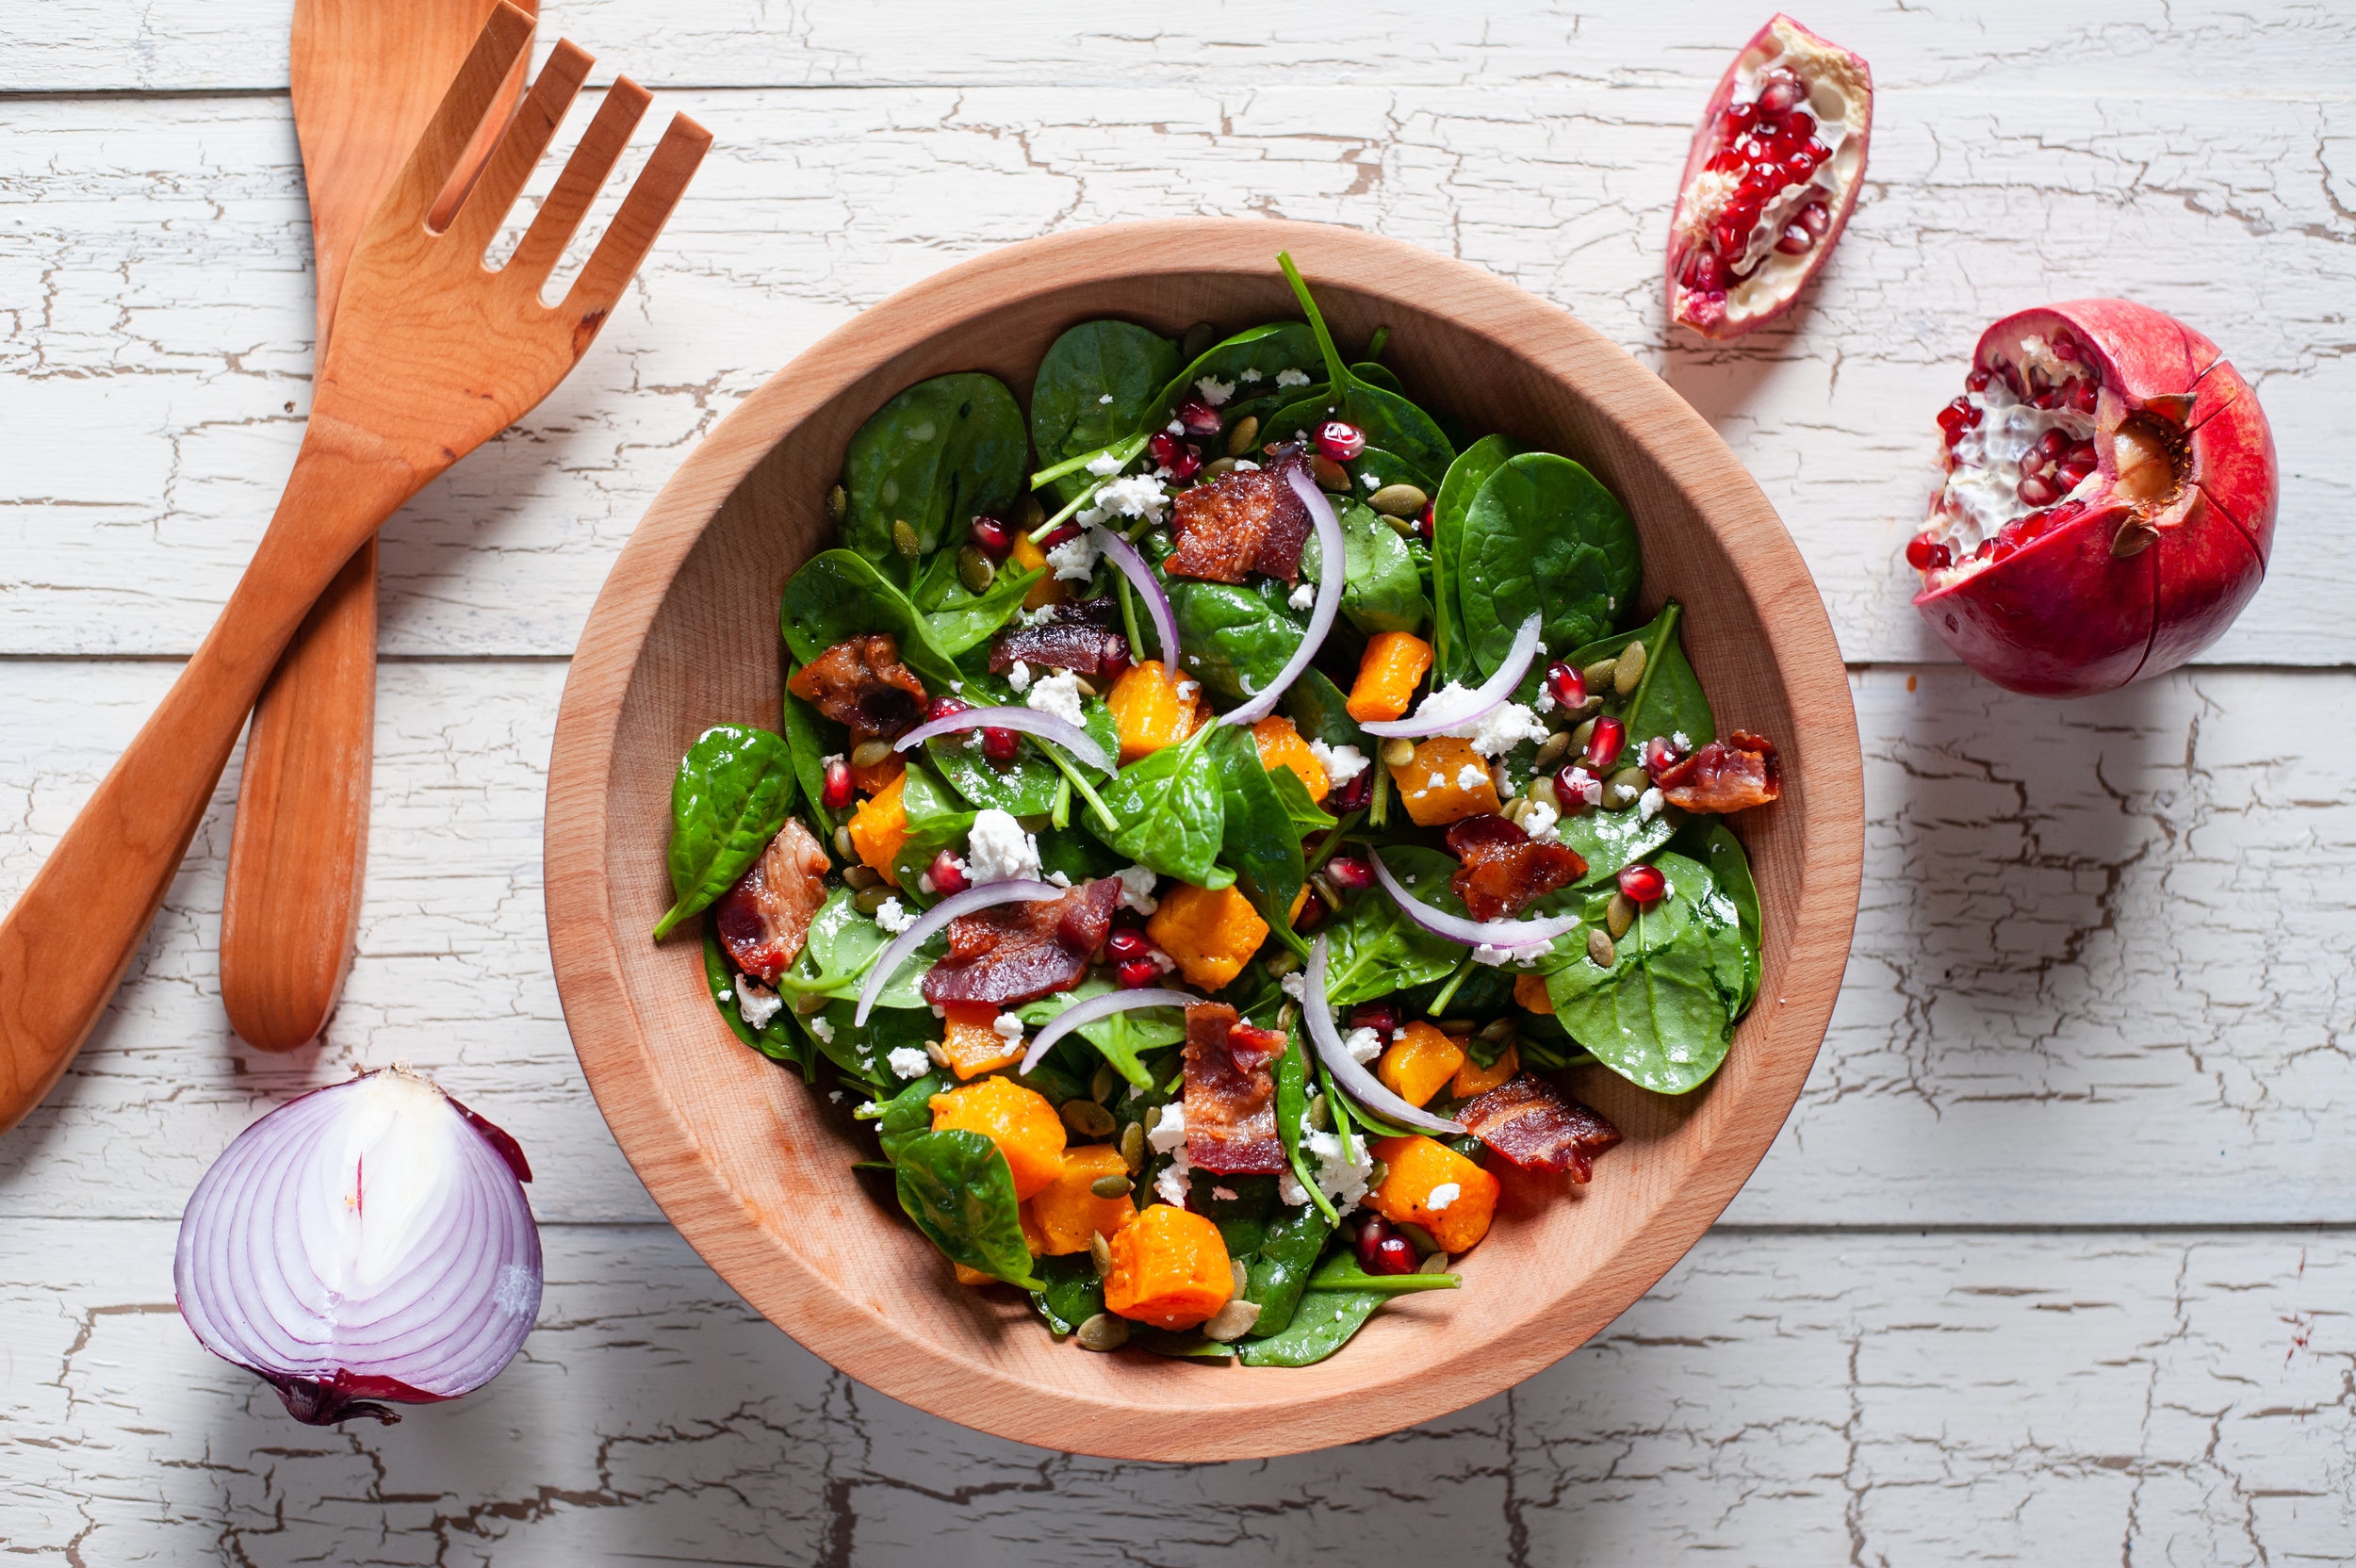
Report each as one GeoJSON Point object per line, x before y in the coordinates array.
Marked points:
{"type": "Point", "coordinates": [1648, 804]}
{"type": "Point", "coordinates": [1245, 465]}
{"type": "Point", "coordinates": [1292, 378]}
{"type": "Point", "coordinates": [1058, 695]}
{"type": "Point", "coordinates": [1225, 1195]}
{"type": "Point", "coordinates": [1546, 698]}
{"type": "Point", "coordinates": [1169, 1132]}
{"type": "Point", "coordinates": [1497, 957]}
{"type": "Point", "coordinates": [1104, 465]}
{"type": "Point", "coordinates": [1303, 597]}
{"type": "Point", "coordinates": [891, 917]}
{"type": "Point", "coordinates": [925, 882]}
{"type": "Point", "coordinates": [1138, 496]}
{"type": "Point", "coordinates": [1186, 689]}
{"type": "Point", "coordinates": [1586, 784]}
{"type": "Point", "coordinates": [724, 994]}
{"type": "Point", "coordinates": [1018, 676]}
{"type": "Point", "coordinates": [1076, 558]}
{"type": "Point", "coordinates": [1172, 1184]}
{"type": "Point", "coordinates": [1372, 481]}
{"type": "Point", "coordinates": [1296, 986]}
{"type": "Point", "coordinates": [756, 1005]}
{"type": "Point", "coordinates": [1289, 1191]}
{"type": "Point", "coordinates": [997, 849]}
{"type": "Point", "coordinates": [1342, 1180]}
{"type": "Point", "coordinates": [939, 1011]}
{"type": "Point", "coordinates": [1436, 782]}
{"type": "Point", "coordinates": [1136, 889]}
{"type": "Point", "coordinates": [1106, 399]}
{"type": "Point", "coordinates": [1505, 727]}
{"type": "Point", "coordinates": [1364, 1045]}
{"type": "Point", "coordinates": [831, 759]}
{"type": "Point", "coordinates": [1214, 391]}
{"type": "Point", "coordinates": [1681, 741]}
{"type": "Point", "coordinates": [1247, 375]}
{"type": "Point", "coordinates": [1175, 428]}
{"type": "Point", "coordinates": [1009, 1028]}
{"type": "Point", "coordinates": [909, 1061]}
{"type": "Point", "coordinates": [820, 1027]}
{"type": "Point", "coordinates": [1439, 1197]}
{"type": "Point", "coordinates": [1541, 822]}
{"type": "Point", "coordinates": [1060, 879]}
{"type": "Point", "coordinates": [1470, 777]}
{"type": "Point", "coordinates": [1341, 763]}
{"type": "Point", "coordinates": [835, 1095]}
{"type": "Point", "coordinates": [973, 739]}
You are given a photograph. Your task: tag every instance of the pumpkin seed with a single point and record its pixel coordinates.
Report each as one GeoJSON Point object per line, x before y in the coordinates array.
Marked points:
{"type": "Point", "coordinates": [1099, 1253]}
{"type": "Point", "coordinates": [1331, 476]}
{"type": "Point", "coordinates": [1550, 751]}
{"type": "Point", "coordinates": [1417, 1237]}
{"type": "Point", "coordinates": [1239, 1275]}
{"type": "Point", "coordinates": [1599, 674]}
{"type": "Point", "coordinates": [1217, 466]}
{"type": "Point", "coordinates": [1629, 669]}
{"type": "Point", "coordinates": [940, 1057]}
{"type": "Point", "coordinates": [1133, 1147]}
{"type": "Point", "coordinates": [1499, 1030]}
{"type": "Point", "coordinates": [1405, 526]}
{"type": "Point", "coordinates": [1103, 1333]}
{"type": "Point", "coordinates": [1514, 809]}
{"type": "Point", "coordinates": [1456, 1026]}
{"type": "Point", "coordinates": [1281, 962]}
{"type": "Point", "coordinates": [1102, 1082]}
{"type": "Point", "coordinates": [1112, 1186]}
{"type": "Point", "coordinates": [904, 539]}
{"type": "Point", "coordinates": [1197, 341]}
{"type": "Point", "coordinates": [1435, 1263]}
{"type": "Point", "coordinates": [1287, 1015]}
{"type": "Point", "coordinates": [1246, 431]}
{"type": "Point", "coordinates": [868, 900]}
{"type": "Point", "coordinates": [838, 502]}
{"type": "Point", "coordinates": [859, 878]}
{"type": "Point", "coordinates": [1584, 733]}
{"type": "Point", "coordinates": [975, 570]}
{"type": "Point", "coordinates": [810, 1005]}
{"type": "Point", "coordinates": [1232, 1321]}
{"type": "Point", "coordinates": [1599, 949]}
{"type": "Point", "coordinates": [1086, 1117]}
{"type": "Point", "coordinates": [843, 844]}
{"type": "Point", "coordinates": [1541, 793]}
{"type": "Point", "coordinates": [1619, 915]}
{"type": "Point", "coordinates": [1398, 751]}
{"type": "Point", "coordinates": [1380, 1174]}
{"type": "Point", "coordinates": [1625, 787]}
{"type": "Point", "coordinates": [1399, 500]}
{"type": "Point", "coordinates": [1321, 1114]}
{"type": "Point", "coordinates": [869, 754]}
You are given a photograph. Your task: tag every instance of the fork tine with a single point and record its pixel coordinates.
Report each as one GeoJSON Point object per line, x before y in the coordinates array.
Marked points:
{"type": "Point", "coordinates": [584, 173]}
{"type": "Point", "coordinates": [506, 34]}
{"type": "Point", "coordinates": [520, 149]}
{"type": "Point", "coordinates": [645, 210]}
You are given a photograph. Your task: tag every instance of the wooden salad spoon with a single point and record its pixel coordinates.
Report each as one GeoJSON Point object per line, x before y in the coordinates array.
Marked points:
{"type": "Point", "coordinates": [366, 76]}
{"type": "Point", "coordinates": [433, 353]}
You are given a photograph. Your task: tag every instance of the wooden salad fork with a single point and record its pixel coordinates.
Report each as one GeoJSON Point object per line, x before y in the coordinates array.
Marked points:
{"type": "Point", "coordinates": [366, 77]}
{"type": "Point", "coordinates": [433, 353]}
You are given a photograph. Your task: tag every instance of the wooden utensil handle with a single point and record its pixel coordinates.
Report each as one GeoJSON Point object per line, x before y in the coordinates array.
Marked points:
{"type": "Point", "coordinates": [66, 944]}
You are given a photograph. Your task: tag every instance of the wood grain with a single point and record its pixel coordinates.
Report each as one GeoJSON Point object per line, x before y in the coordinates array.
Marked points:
{"type": "Point", "coordinates": [748, 1165]}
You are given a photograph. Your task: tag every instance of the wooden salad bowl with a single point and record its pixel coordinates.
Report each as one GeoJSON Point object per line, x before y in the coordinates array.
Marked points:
{"type": "Point", "coordinates": [754, 1168]}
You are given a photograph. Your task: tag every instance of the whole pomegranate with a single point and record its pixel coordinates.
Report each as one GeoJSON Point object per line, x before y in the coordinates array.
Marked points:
{"type": "Point", "coordinates": [1773, 175]}
{"type": "Point", "coordinates": [2108, 502]}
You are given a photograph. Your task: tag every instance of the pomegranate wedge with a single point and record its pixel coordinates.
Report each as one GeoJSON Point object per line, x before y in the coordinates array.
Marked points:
{"type": "Point", "coordinates": [1774, 171]}
{"type": "Point", "coordinates": [2108, 505]}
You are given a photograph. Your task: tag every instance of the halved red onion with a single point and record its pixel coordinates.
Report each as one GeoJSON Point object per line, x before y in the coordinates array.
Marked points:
{"type": "Point", "coordinates": [989, 894]}
{"type": "Point", "coordinates": [1472, 933]}
{"type": "Point", "coordinates": [1432, 719]}
{"type": "Point", "coordinates": [1347, 1071]}
{"type": "Point", "coordinates": [1093, 1008]}
{"type": "Point", "coordinates": [366, 1241]}
{"type": "Point", "coordinates": [1124, 555]}
{"type": "Point", "coordinates": [1029, 720]}
{"type": "Point", "coordinates": [1333, 572]}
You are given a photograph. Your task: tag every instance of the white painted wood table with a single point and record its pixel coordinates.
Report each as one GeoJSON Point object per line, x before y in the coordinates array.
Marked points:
{"type": "Point", "coordinates": [2051, 1264]}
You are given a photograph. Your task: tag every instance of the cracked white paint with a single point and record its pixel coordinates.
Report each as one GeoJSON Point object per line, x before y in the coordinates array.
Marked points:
{"type": "Point", "coordinates": [2098, 1011]}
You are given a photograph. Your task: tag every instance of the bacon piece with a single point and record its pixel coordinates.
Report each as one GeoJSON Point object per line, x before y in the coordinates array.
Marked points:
{"type": "Point", "coordinates": [1230, 1095]}
{"type": "Point", "coordinates": [1743, 770]}
{"type": "Point", "coordinates": [1010, 954]}
{"type": "Point", "coordinates": [1075, 636]}
{"type": "Point", "coordinates": [762, 921]}
{"type": "Point", "coordinates": [1505, 869]}
{"type": "Point", "coordinates": [860, 683]}
{"type": "Point", "coordinates": [1526, 1121]}
{"type": "Point", "coordinates": [1245, 520]}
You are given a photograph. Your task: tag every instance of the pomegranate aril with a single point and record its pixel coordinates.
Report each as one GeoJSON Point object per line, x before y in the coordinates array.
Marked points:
{"type": "Point", "coordinates": [1732, 237]}
{"type": "Point", "coordinates": [1978, 381]}
{"type": "Point", "coordinates": [1603, 746]}
{"type": "Point", "coordinates": [1166, 450]}
{"type": "Point", "coordinates": [1063, 535]}
{"type": "Point", "coordinates": [1704, 273]}
{"type": "Point", "coordinates": [1381, 1016]}
{"type": "Point", "coordinates": [944, 707]}
{"type": "Point", "coordinates": [1394, 1256]}
{"type": "Point", "coordinates": [2052, 443]}
{"type": "Point", "coordinates": [1797, 241]}
{"type": "Point", "coordinates": [2065, 346]}
{"type": "Point", "coordinates": [1348, 872]}
{"type": "Point", "coordinates": [1187, 464]}
{"type": "Point", "coordinates": [1739, 118]}
{"type": "Point", "coordinates": [837, 794]}
{"type": "Point", "coordinates": [2083, 395]}
{"type": "Point", "coordinates": [1565, 684]}
{"type": "Point", "coordinates": [1339, 441]}
{"type": "Point", "coordinates": [1113, 663]}
{"type": "Point", "coordinates": [1000, 745]}
{"type": "Point", "coordinates": [2035, 491]}
{"type": "Point", "coordinates": [1352, 798]}
{"type": "Point", "coordinates": [1126, 943]}
{"type": "Point", "coordinates": [1426, 521]}
{"type": "Point", "coordinates": [1927, 554]}
{"type": "Point", "coordinates": [947, 875]}
{"type": "Point", "coordinates": [1200, 417]}
{"type": "Point", "coordinates": [1781, 93]}
{"type": "Point", "coordinates": [993, 536]}
{"type": "Point", "coordinates": [1133, 974]}
{"type": "Point", "coordinates": [1644, 884]}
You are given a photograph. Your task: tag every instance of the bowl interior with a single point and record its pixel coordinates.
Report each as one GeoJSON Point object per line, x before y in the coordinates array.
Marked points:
{"type": "Point", "coordinates": [754, 1166]}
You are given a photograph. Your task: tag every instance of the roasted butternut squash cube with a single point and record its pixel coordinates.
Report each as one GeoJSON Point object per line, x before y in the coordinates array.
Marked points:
{"type": "Point", "coordinates": [1388, 672]}
{"type": "Point", "coordinates": [1529, 994]}
{"type": "Point", "coordinates": [1445, 781]}
{"type": "Point", "coordinates": [1417, 1062]}
{"type": "Point", "coordinates": [1472, 1078]}
{"type": "Point", "coordinates": [1068, 1214]}
{"type": "Point", "coordinates": [877, 778]}
{"type": "Point", "coordinates": [880, 827]}
{"type": "Point", "coordinates": [1432, 1185]}
{"type": "Point", "coordinates": [1028, 557]}
{"type": "Point", "coordinates": [1019, 1120]}
{"type": "Point", "coordinates": [1149, 712]}
{"type": "Point", "coordinates": [1281, 747]}
{"type": "Point", "coordinates": [1211, 934]}
{"type": "Point", "coordinates": [1170, 1270]}
{"type": "Point", "coordinates": [971, 1040]}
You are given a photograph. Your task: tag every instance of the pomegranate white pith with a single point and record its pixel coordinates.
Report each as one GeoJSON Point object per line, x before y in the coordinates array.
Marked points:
{"type": "Point", "coordinates": [1773, 175]}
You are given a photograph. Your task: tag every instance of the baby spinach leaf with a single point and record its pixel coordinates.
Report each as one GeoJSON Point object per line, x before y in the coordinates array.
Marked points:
{"type": "Point", "coordinates": [1172, 812]}
{"type": "Point", "coordinates": [1242, 1220]}
{"type": "Point", "coordinates": [1382, 590]}
{"type": "Point", "coordinates": [1250, 360]}
{"type": "Point", "coordinates": [1389, 420]}
{"type": "Point", "coordinates": [1543, 536]}
{"type": "Point", "coordinates": [1238, 637]}
{"type": "Point", "coordinates": [837, 595]}
{"type": "Point", "coordinates": [1374, 468]}
{"type": "Point", "coordinates": [775, 1041]}
{"type": "Point", "coordinates": [1122, 1039]}
{"type": "Point", "coordinates": [1608, 841]}
{"type": "Point", "coordinates": [956, 1186]}
{"type": "Point", "coordinates": [1024, 788]}
{"type": "Point", "coordinates": [1076, 854]}
{"type": "Point", "coordinates": [1099, 384]}
{"type": "Point", "coordinates": [1663, 1014]}
{"type": "Point", "coordinates": [1668, 698]}
{"type": "Point", "coordinates": [1281, 1270]}
{"type": "Point", "coordinates": [1323, 1323]}
{"type": "Point", "coordinates": [1377, 374]}
{"type": "Point", "coordinates": [909, 1114]}
{"type": "Point", "coordinates": [1185, 1344]}
{"type": "Point", "coordinates": [1340, 1271]}
{"type": "Point", "coordinates": [1466, 475]}
{"type": "Point", "coordinates": [960, 619]}
{"type": "Point", "coordinates": [811, 737]}
{"type": "Point", "coordinates": [1292, 1102]}
{"type": "Point", "coordinates": [1708, 840]}
{"type": "Point", "coordinates": [1304, 813]}
{"type": "Point", "coordinates": [933, 457]}
{"type": "Point", "coordinates": [1258, 838]}
{"type": "Point", "coordinates": [733, 790]}
{"type": "Point", "coordinates": [1373, 948]}
{"type": "Point", "coordinates": [1073, 1293]}
{"type": "Point", "coordinates": [1320, 710]}
{"type": "Point", "coordinates": [859, 1053]}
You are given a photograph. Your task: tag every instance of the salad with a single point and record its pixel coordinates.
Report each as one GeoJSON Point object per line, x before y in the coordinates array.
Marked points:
{"type": "Point", "coordinates": [1209, 807]}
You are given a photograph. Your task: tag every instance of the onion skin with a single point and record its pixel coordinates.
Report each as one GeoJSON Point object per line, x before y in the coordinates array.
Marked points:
{"type": "Point", "coordinates": [367, 1242]}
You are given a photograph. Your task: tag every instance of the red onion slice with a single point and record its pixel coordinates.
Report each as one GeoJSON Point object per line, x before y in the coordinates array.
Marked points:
{"type": "Point", "coordinates": [1046, 726]}
{"type": "Point", "coordinates": [368, 1241]}
{"type": "Point", "coordinates": [1472, 933]}
{"type": "Point", "coordinates": [1093, 1008]}
{"type": "Point", "coordinates": [986, 896]}
{"type": "Point", "coordinates": [1336, 571]}
{"type": "Point", "coordinates": [1347, 1071]}
{"type": "Point", "coordinates": [1477, 702]}
{"type": "Point", "coordinates": [1124, 555]}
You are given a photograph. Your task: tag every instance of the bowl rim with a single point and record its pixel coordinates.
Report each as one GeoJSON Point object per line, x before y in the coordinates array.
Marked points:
{"type": "Point", "coordinates": [610, 1037]}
